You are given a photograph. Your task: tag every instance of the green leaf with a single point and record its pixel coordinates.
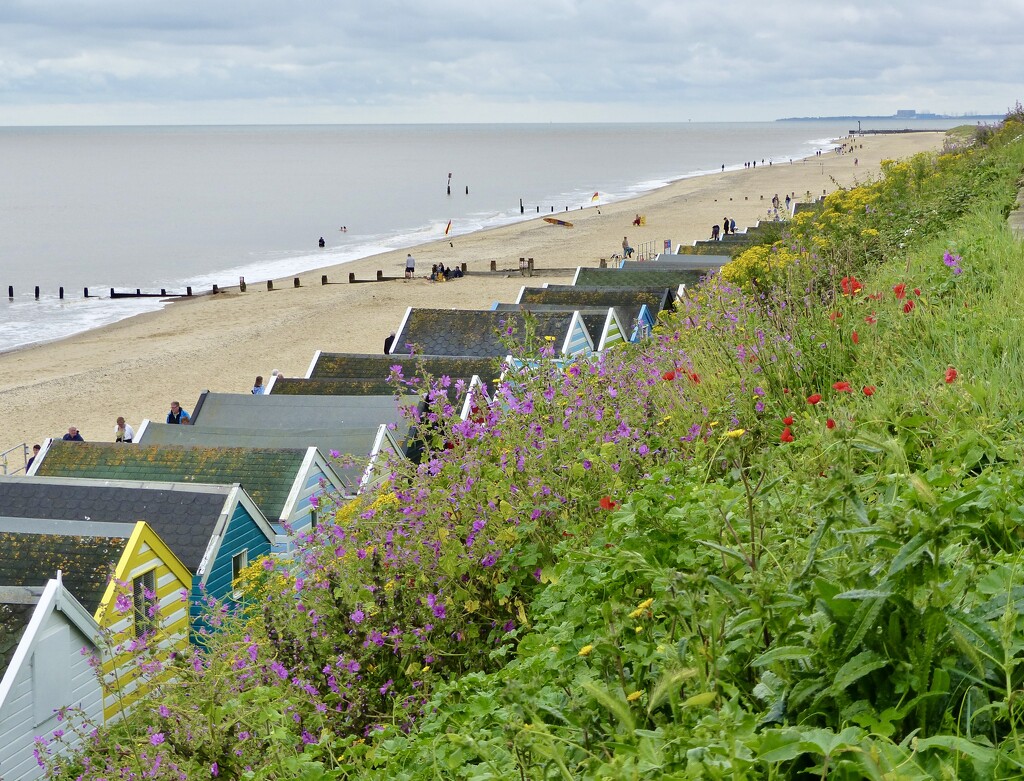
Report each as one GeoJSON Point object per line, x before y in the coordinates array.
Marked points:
{"type": "Point", "coordinates": [985, 754]}
{"type": "Point", "coordinates": [856, 668]}
{"type": "Point", "coordinates": [782, 653]}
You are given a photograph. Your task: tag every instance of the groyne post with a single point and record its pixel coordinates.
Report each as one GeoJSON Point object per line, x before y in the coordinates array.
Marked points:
{"type": "Point", "coordinates": [296, 282]}
{"type": "Point", "coordinates": [61, 294]}
{"type": "Point", "coordinates": [37, 292]}
{"type": "Point", "coordinates": [216, 290]}
{"type": "Point", "coordinates": [10, 291]}
{"type": "Point", "coordinates": [323, 279]}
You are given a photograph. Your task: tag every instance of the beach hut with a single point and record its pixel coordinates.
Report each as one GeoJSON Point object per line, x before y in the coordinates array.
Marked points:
{"type": "Point", "coordinates": [706, 264]}
{"type": "Point", "coordinates": [47, 639]}
{"type": "Point", "coordinates": [657, 299]}
{"type": "Point", "coordinates": [280, 481]}
{"type": "Point", "coordinates": [487, 333]}
{"type": "Point", "coordinates": [327, 365]}
{"type": "Point", "coordinates": [645, 277]}
{"type": "Point", "coordinates": [94, 557]}
{"type": "Point", "coordinates": [214, 530]}
{"type": "Point", "coordinates": [328, 386]}
{"type": "Point", "coordinates": [608, 325]}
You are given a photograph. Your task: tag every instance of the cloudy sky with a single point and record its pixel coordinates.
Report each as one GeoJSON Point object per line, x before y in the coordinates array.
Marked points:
{"type": "Point", "coordinates": [309, 61]}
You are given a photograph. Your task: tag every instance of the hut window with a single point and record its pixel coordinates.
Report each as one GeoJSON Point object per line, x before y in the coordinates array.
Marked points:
{"type": "Point", "coordinates": [144, 598]}
{"type": "Point", "coordinates": [238, 563]}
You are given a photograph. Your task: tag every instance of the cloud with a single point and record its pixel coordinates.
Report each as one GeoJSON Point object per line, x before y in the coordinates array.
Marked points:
{"type": "Point", "coordinates": [453, 60]}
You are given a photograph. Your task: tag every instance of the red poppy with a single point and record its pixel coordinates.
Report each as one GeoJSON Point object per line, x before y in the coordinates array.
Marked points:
{"type": "Point", "coordinates": [668, 376]}
{"type": "Point", "coordinates": [786, 435]}
{"type": "Point", "coordinates": [842, 387]}
{"type": "Point", "coordinates": [908, 307]}
{"type": "Point", "coordinates": [785, 390]}
{"type": "Point", "coordinates": [855, 337]}
{"type": "Point", "coordinates": [607, 503]}
{"type": "Point", "coordinates": [695, 378]}
{"type": "Point", "coordinates": [851, 286]}
{"type": "Point", "coordinates": [869, 390]}
{"type": "Point", "coordinates": [875, 296]}
{"type": "Point", "coordinates": [835, 316]}
{"type": "Point", "coordinates": [917, 291]}
{"type": "Point", "coordinates": [900, 290]}
{"type": "Point", "coordinates": [951, 375]}
{"type": "Point", "coordinates": [870, 319]}
{"type": "Point", "coordinates": [830, 424]}
{"type": "Point", "coordinates": [788, 420]}
{"type": "Point", "coordinates": [814, 398]}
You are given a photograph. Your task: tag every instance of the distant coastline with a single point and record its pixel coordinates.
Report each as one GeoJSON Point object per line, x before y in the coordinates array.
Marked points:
{"type": "Point", "coordinates": [900, 116]}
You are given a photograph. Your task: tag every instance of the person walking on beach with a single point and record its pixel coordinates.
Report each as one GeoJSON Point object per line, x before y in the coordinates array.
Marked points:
{"type": "Point", "coordinates": [123, 432]}
{"type": "Point", "coordinates": [73, 435]}
{"type": "Point", "coordinates": [177, 415]}
{"type": "Point", "coordinates": [627, 251]}
{"type": "Point", "coordinates": [410, 266]}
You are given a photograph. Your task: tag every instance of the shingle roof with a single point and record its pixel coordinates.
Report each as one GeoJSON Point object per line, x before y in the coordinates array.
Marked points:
{"type": "Point", "coordinates": [656, 298]}
{"type": "Point", "coordinates": [615, 277]}
{"type": "Point", "coordinates": [330, 387]}
{"type": "Point", "coordinates": [474, 332]}
{"type": "Point", "coordinates": [593, 316]}
{"type": "Point", "coordinates": [14, 618]}
{"type": "Point", "coordinates": [353, 365]}
{"type": "Point", "coordinates": [702, 263]}
{"type": "Point", "coordinates": [266, 474]}
{"type": "Point", "coordinates": [183, 517]}
{"type": "Point", "coordinates": [87, 562]}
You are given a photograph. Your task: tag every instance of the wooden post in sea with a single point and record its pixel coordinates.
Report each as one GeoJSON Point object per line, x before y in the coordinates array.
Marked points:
{"type": "Point", "coordinates": [270, 285]}
{"type": "Point", "coordinates": [216, 290]}
{"type": "Point", "coordinates": [188, 291]}
{"type": "Point", "coordinates": [61, 293]}
{"type": "Point", "coordinates": [37, 292]}
{"type": "Point", "coordinates": [86, 293]}
{"type": "Point", "coordinates": [10, 291]}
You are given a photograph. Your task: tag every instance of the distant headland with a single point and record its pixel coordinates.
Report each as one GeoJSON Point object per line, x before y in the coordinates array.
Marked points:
{"type": "Point", "coordinates": [906, 113]}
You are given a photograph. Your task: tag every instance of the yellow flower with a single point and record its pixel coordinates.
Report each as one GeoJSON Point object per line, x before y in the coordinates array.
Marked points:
{"type": "Point", "coordinates": [585, 650]}
{"type": "Point", "coordinates": [638, 629]}
{"type": "Point", "coordinates": [642, 607]}
{"type": "Point", "coordinates": [549, 338]}
{"type": "Point", "coordinates": [736, 432]}
{"type": "Point", "coordinates": [635, 696]}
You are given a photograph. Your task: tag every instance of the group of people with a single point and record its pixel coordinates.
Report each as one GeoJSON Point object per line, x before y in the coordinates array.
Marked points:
{"type": "Point", "coordinates": [258, 388]}
{"type": "Point", "coordinates": [440, 273]}
{"type": "Point", "coordinates": [728, 226]}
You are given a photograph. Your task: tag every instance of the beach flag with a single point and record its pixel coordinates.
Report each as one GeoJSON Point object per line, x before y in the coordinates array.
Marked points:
{"type": "Point", "coordinates": [594, 198]}
{"type": "Point", "coordinates": [448, 228]}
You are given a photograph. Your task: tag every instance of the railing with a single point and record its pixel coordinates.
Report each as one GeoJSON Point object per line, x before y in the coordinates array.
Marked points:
{"type": "Point", "coordinates": [5, 467]}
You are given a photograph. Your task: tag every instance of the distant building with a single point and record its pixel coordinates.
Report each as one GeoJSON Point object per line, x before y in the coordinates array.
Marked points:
{"type": "Point", "coordinates": [906, 113]}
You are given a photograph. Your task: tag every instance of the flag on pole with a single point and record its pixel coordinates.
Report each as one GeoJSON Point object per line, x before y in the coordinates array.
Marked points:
{"type": "Point", "coordinates": [448, 228]}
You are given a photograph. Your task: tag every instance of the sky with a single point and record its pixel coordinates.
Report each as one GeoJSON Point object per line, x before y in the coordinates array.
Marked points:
{"type": "Point", "coordinates": [130, 62]}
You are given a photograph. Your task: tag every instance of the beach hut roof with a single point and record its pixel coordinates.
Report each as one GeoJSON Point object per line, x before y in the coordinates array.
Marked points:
{"type": "Point", "coordinates": [184, 516]}
{"type": "Point", "coordinates": [475, 332]}
{"type": "Point", "coordinates": [266, 474]}
{"type": "Point", "coordinates": [656, 298]}
{"type": "Point", "coordinates": [378, 367]}
{"type": "Point", "coordinates": [87, 557]}
{"type": "Point", "coordinates": [646, 277]}
{"type": "Point", "coordinates": [14, 618]}
{"type": "Point", "coordinates": [704, 263]}
{"type": "Point", "coordinates": [328, 386]}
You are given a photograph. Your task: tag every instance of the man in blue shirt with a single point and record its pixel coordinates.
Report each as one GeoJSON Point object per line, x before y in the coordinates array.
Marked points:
{"type": "Point", "coordinates": [178, 415]}
{"type": "Point", "coordinates": [72, 435]}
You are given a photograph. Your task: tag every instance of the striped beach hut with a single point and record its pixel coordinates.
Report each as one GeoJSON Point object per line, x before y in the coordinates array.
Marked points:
{"type": "Point", "coordinates": [100, 561]}
{"type": "Point", "coordinates": [605, 324]}
{"type": "Point", "coordinates": [214, 530]}
{"type": "Point", "coordinates": [638, 308]}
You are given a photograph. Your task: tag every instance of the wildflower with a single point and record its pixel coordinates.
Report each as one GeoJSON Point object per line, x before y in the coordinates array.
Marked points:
{"type": "Point", "coordinates": [854, 337]}
{"type": "Point", "coordinates": [869, 390]}
{"type": "Point", "coordinates": [668, 376]}
{"type": "Point", "coordinates": [830, 424]}
{"type": "Point", "coordinates": [908, 307]}
{"type": "Point", "coordinates": [156, 738]}
{"type": "Point", "coordinates": [900, 290]}
{"type": "Point", "coordinates": [634, 696]}
{"type": "Point", "coordinates": [786, 435]}
{"type": "Point", "coordinates": [358, 616]}
{"type": "Point", "coordinates": [585, 650]}
{"type": "Point", "coordinates": [951, 375]}
{"type": "Point", "coordinates": [814, 398]}
{"type": "Point", "coordinates": [871, 319]}
{"type": "Point", "coordinates": [835, 316]}
{"type": "Point", "coordinates": [642, 607]}
{"type": "Point", "coordinates": [851, 286]}
{"type": "Point", "coordinates": [607, 503]}
{"type": "Point", "coordinates": [843, 387]}
{"type": "Point", "coordinates": [788, 420]}
{"type": "Point", "coordinates": [917, 292]}
{"type": "Point", "coordinates": [694, 378]}
{"type": "Point", "coordinates": [736, 432]}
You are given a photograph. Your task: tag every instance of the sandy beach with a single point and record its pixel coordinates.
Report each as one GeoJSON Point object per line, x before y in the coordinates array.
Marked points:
{"type": "Point", "coordinates": [135, 368]}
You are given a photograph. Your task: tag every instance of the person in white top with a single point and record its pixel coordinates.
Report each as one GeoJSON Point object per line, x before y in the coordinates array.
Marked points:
{"type": "Point", "coordinates": [123, 432]}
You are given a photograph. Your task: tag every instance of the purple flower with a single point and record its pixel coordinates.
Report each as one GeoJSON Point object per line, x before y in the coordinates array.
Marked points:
{"type": "Point", "coordinates": [358, 616]}
{"type": "Point", "coordinates": [489, 560]}
{"type": "Point", "coordinates": [156, 738]}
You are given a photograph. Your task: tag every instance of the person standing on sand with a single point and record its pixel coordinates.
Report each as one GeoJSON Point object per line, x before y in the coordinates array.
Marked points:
{"type": "Point", "coordinates": [627, 251]}
{"type": "Point", "coordinates": [123, 432]}
{"type": "Point", "coordinates": [177, 415]}
{"type": "Point", "coordinates": [714, 232]}
{"type": "Point", "coordinates": [410, 266]}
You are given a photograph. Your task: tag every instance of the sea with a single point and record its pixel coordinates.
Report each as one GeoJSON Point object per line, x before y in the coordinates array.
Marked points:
{"type": "Point", "coordinates": [152, 208]}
